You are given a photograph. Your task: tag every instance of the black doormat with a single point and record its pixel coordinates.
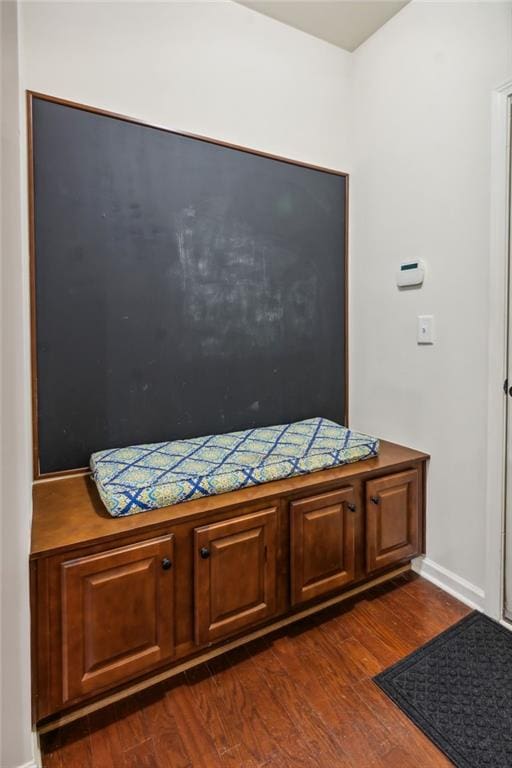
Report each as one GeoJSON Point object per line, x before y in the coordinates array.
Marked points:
{"type": "Point", "coordinates": [458, 689]}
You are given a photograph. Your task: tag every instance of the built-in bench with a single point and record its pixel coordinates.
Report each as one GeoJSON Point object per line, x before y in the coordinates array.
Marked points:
{"type": "Point", "coordinates": [119, 602]}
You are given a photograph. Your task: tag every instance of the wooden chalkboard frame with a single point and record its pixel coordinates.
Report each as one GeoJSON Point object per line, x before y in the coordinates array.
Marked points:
{"type": "Point", "coordinates": [30, 95]}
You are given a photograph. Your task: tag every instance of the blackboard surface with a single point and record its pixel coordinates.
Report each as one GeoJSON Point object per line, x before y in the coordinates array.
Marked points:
{"type": "Point", "coordinates": [182, 287]}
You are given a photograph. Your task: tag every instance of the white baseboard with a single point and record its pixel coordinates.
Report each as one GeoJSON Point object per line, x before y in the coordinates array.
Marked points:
{"type": "Point", "coordinates": [38, 760]}
{"type": "Point", "coordinates": [455, 585]}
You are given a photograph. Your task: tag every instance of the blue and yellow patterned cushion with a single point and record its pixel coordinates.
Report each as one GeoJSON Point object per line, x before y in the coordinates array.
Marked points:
{"type": "Point", "coordinates": [144, 477]}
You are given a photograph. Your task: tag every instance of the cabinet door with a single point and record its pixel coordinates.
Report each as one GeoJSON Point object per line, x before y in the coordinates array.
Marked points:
{"type": "Point", "coordinates": [322, 543]}
{"type": "Point", "coordinates": [235, 574]}
{"type": "Point", "coordinates": [392, 519]}
{"type": "Point", "coordinates": [117, 614]}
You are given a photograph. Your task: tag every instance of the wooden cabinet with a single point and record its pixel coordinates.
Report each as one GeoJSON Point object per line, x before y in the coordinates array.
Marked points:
{"type": "Point", "coordinates": [116, 600]}
{"type": "Point", "coordinates": [392, 519]}
{"type": "Point", "coordinates": [235, 574]}
{"type": "Point", "coordinates": [322, 543]}
{"type": "Point", "coordinates": [117, 615]}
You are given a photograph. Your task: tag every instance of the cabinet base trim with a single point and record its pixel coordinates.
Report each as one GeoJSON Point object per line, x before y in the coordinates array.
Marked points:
{"type": "Point", "coordinates": [228, 646]}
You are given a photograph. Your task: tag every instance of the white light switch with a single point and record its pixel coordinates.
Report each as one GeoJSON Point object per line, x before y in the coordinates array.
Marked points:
{"type": "Point", "coordinates": [425, 329]}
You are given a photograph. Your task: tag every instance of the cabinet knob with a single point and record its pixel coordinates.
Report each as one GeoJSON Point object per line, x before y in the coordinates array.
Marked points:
{"type": "Point", "coordinates": [204, 552]}
{"type": "Point", "coordinates": [351, 507]}
{"type": "Point", "coordinates": [374, 499]}
{"type": "Point", "coordinates": [166, 564]}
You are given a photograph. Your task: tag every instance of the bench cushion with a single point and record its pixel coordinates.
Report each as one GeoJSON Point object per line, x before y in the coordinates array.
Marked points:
{"type": "Point", "coordinates": [143, 477]}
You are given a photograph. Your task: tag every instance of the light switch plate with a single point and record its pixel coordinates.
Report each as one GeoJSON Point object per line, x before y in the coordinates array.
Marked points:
{"type": "Point", "coordinates": [425, 329]}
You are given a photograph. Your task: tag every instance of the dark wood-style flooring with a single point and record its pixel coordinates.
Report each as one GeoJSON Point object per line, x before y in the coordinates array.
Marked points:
{"type": "Point", "coordinates": [302, 697]}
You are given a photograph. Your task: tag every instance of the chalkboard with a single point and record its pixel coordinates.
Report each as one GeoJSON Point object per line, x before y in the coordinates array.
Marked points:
{"type": "Point", "coordinates": [181, 286]}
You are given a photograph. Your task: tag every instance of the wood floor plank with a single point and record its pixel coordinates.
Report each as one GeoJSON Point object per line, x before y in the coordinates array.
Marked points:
{"type": "Point", "coordinates": [334, 618]}
{"type": "Point", "coordinates": [382, 648]}
{"type": "Point", "coordinates": [106, 745]}
{"type": "Point", "coordinates": [429, 614]}
{"type": "Point", "coordinates": [265, 725]}
{"type": "Point", "coordinates": [302, 697]}
{"type": "Point", "coordinates": [427, 593]}
{"type": "Point", "coordinates": [75, 745]}
{"type": "Point", "coordinates": [196, 740]}
{"type": "Point", "coordinates": [403, 731]}
{"type": "Point", "coordinates": [380, 620]}
{"type": "Point", "coordinates": [407, 635]}
{"type": "Point", "coordinates": [207, 700]}
{"type": "Point", "coordinates": [160, 724]}
{"type": "Point", "coordinates": [130, 722]}
{"type": "Point", "coordinates": [232, 701]}
{"type": "Point", "coordinates": [289, 691]}
{"type": "Point", "coordinates": [330, 697]}
{"type": "Point", "coordinates": [141, 756]}
{"type": "Point", "coordinates": [348, 660]}
{"type": "Point", "coordinates": [362, 660]}
{"type": "Point", "coordinates": [426, 617]}
{"type": "Point", "coordinates": [291, 717]}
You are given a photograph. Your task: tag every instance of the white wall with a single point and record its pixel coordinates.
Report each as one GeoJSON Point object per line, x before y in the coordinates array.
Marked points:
{"type": "Point", "coordinates": [16, 744]}
{"type": "Point", "coordinates": [420, 189]}
{"type": "Point", "coordinates": [214, 68]}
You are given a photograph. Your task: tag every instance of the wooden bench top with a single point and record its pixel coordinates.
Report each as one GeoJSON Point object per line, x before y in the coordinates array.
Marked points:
{"type": "Point", "coordinates": [68, 512]}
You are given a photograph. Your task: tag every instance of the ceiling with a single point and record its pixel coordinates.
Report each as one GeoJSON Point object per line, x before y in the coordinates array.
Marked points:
{"type": "Point", "coordinates": [345, 23]}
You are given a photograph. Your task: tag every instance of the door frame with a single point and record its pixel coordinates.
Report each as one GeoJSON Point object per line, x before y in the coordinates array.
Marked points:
{"type": "Point", "coordinates": [499, 276]}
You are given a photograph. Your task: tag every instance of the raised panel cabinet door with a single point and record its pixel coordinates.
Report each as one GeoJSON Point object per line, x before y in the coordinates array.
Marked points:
{"type": "Point", "coordinates": [392, 519]}
{"type": "Point", "coordinates": [117, 614]}
{"type": "Point", "coordinates": [323, 555]}
{"type": "Point", "coordinates": [234, 574]}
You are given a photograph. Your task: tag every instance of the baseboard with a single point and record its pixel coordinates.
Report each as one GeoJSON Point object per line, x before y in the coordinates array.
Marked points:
{"type": "Point", "coordinates": [450, 582]}
{"type": "Point", "coordinates": [38, 760]}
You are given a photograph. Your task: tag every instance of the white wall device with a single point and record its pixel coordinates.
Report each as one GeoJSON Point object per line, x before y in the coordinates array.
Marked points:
{"type": "Point", "coordinates": [425, 332]}
{"type": "Point", "coordinates": [410, 273]}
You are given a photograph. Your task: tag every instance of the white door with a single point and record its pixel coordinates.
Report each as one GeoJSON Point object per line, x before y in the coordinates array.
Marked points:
{"type": "Point", "coordinates": [508, 389]}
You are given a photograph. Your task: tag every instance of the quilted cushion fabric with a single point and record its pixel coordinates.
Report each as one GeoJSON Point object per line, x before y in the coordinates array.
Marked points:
{"type": "Point", "coordinates": [142, 477]}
